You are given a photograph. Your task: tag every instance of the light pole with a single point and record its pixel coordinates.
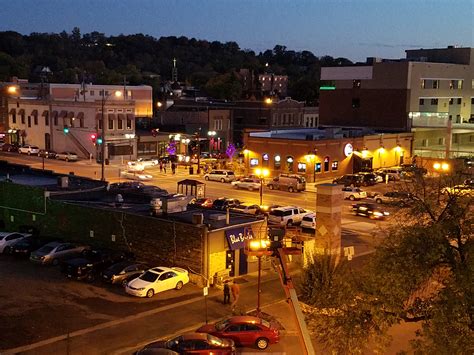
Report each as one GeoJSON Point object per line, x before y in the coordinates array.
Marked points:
{"type": "Point", "coordinates": [211, 135]}
{"type": "Point", "coordinates": [102, 119]}
{"type": "Point", "coordinates": [258, 248]}
{"type": "Point", "coordinates": [130, 136]}
{"type": "Point", "coordinates": [262, 174]}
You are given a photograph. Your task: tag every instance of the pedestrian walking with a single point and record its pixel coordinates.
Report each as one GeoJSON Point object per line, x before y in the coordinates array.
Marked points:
{"type": "Point", "coordinates": [226, 292]}
{"type": "Point", "coordinates": [235, 288]}
{"type": "Point", "coordinates": [161, 166]}
{"type": "Point", "coordinates": [164, 167]}
{"type": "Point", "coordinates": [173, 168]}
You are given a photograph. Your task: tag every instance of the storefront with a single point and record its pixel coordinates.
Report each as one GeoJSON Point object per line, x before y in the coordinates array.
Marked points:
{"type": "Point", "coordinates": [324, 158]}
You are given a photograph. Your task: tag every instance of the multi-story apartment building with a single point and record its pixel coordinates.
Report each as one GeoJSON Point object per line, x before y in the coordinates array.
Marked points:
{"type": "Point", "coordinates": [61, 118]}
{"type": "Point", "coordinates": [273, 84]}
{"type": "Point", "coordinates": [430, 93]}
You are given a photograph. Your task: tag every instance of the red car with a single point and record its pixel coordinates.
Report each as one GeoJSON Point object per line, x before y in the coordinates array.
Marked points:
{"type": "Point", "coordinates": [191, 343]}
{"type": "Point", "coordinates": [244, 331]}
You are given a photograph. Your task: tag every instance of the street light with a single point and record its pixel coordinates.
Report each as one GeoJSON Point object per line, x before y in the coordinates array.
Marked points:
{"type": "Point", "coordinates": [258, 248]}
{"type": "Point", "coordinates": [262, 174]}
{"type": "Point", "coordinates": [211, 134]}
{"type": "Point", "coordinates": [102, 148]}
{"type": "Point", "coordinates": [130, 136]}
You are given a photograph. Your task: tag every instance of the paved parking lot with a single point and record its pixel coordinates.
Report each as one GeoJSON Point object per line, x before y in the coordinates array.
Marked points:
{"type": "Point", "coordinates": [38, 302]}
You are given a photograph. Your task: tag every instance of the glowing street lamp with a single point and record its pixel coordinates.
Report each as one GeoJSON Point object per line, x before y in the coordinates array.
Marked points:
{"type": "Point", "coordinates": [258, 248]}
{"type": "Point", "coordinates": [261, 174]}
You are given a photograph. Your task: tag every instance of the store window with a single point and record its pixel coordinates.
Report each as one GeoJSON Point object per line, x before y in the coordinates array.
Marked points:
{"type": "Point", "coordinates": [277, 162]}
{"type": "Point", "coordinates": [326, 163]}
{"type": "Point", "coordinates": [253, 162]}
{"type": "Point", "coordinates": [317, 167]}
{"type": "Point", "coordinates": [289, 163]}
{"type": "Point", "coordinates": [301, 167]}
{"type": "Point", "coordinates": [334, 165]}
{"type": "Point", "coordinates": [265, 159]}
{"type": "Point", "coordinates": [111, 123]}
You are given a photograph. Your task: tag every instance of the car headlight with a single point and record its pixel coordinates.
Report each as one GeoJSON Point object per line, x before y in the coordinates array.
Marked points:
{"type": "Point", "coordinates": [140, 289]}
{"type": "Point", "coordinates": [378, 214]}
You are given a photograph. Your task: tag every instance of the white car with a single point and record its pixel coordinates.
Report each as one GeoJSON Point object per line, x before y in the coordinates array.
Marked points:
{"type": "Point", "coordinates": [287, 216]}
{"type": "Point", "coordinates": [246, 183]}
{"type": "Point", "coordinates": [8, 238]}
{"type": "Point", "coordinates": [309, 221]}
{"type": "Point", "coordinates": [148, 161]}
{"type": "Point", "coordinates": [353, 193]}
{"type": "Point", "coordinates": [156, 280]}
{"type": "Point", "coordinates": [247, 208]}
{"type": "Point", "coordinates": [135, 175]}
{"type": "Point", "coordinates": [29, 149]}
{"type": "Point", "coordinates": [67, 156]}
{"type": "Point", "coordinates": [136, 166]}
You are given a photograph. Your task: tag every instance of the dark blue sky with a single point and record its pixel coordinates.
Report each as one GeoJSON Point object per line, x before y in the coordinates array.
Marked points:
{"type": "Point", "coordinates": [355, 29]}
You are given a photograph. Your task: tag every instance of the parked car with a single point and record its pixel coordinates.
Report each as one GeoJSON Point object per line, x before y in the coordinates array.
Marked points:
{"type": "Point", "coordinates": [7, 147]}
{"type": "Point", "coordinates": [369, 210]}
{"type": "Point", "coordinates": [9, 238]}
{"type": "Point", "coordinates": [191, 343]}
{"type": "Point", "coordinates": [399, 198]}
{"type": "Point", "coordinates": [24, 246]}
{"type": "Point", "coordinates": [353, 193]}
{"type": "Point", "coordinates": [247, 183]}
{"type": "Point", "coordinates": [135, 175]}
{"type": "Point", "coordinates": [288, 182]}
{"type": "Point", "coordinates": [220, 175]}
{"type": "Point", "coordinates": [466, 189]}
{"type": "Point", "coordinates": [54, 252]}
{"type": "Point", "coordinates": [353, 180]}
{"type": "Point", "coordinates": [135, 166]}
{"type": "Point", "coordinates": [148, 161]}
{"type": "Point", "coordinates": [394, 173]}
{"type": "Point", "coordinates": [157, 279]}
{"type": "Point", "coordinates": [286, 216]}
{"type": "Point", "coordinates": [247, 209]}
{"type": "Point", "coordinates": [201, 202]}
{"type": "Point", "coordinates": [309, 221]}
{"type": "Point", "coordinates": [244, 331]}
{"type": "Point", "coordinates": [28, 149]}
{"type": "Point", "coordinates": [90, 263]}
{"type": "Point", "coordinates": [370, 179]}
{"type": "Point", "coordinates": [67, 156]}
{"type": "Point", "coordinates": [127, 185]}
{"type": "Point", "coordinates": [49, 154]}
{"type": "Point", "coordinates": [223, 203]}
{"type": "Point", "coordinates": [124, 271]}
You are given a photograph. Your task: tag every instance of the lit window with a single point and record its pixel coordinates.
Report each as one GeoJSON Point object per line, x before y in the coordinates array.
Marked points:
{"type": "Point", "coordinates": [301, 167]}
{"type": "Point", "coordinates": [434, 101]}
{"type": "Point", "coordinates": [334, 165]}
{"type": "Point", "coordinates": [317, 167]}
{"type": "Point", "coordinates": [289, 163]}
{"type": "Point", "coordinates": [277, 162]}
{"type": "Point", "coordinates": [253, 162]}
{"type": "Point", "coordinates": [326, 164]}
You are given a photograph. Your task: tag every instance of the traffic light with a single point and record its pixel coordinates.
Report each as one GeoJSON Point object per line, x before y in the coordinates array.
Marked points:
{"type": "Point", "coordinates": [66, 130]}
{"type": "Point", "coordinates": [93, 138]}
{"type": "Point", "coordinates": [99, 140]}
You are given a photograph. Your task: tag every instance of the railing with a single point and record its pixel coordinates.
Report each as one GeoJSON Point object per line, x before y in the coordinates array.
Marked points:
{"type": "Point", "coordinates": [429, 119]}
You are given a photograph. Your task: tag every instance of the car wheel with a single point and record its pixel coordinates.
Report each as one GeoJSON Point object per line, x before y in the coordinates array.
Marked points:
{"type": "Point", "coordinates": [270, 187]}
{"type": "Point", "coordinates": [289, 223]}
{"type": "Point", "coordinates": [179, 285]}
{"type": "Point", "coordinates": [262, 343]}
{"type": "Point", "coordinates": [402, 204]}
{"type": "Point", "coordinates": [67, 159]}
{"type": "Point", "coordinates": [29, 153]}
{"type": "Point", "coordinates": [7, 250]}
{"type": "Point", "coordinates": [90, 277]}
{"type": "Point", "coordinates": [222, 180]}
{"type": "Point", "coordinates": [55, 262]}
{"type": "Point", "coordinates": [351, 197]}
{"type": "Point", "coordinates": [291, 189]}
{"type": "Point", "coordinates": [250, 188]}
{"type": "Point", "coordinates": [124, 282]}
{"type": "Point", "coordinates": [378, 200]}
{"type": "Point", "coordinates": [206, 178]}
{"type": "Point", "coordinates": [150, 293]}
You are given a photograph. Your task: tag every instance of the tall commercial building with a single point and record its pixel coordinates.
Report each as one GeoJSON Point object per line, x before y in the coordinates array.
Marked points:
{"type": "Point", "coordinates": [430, 93]}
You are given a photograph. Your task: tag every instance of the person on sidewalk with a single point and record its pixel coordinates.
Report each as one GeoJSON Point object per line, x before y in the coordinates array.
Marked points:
{"type": "Point", "coordinates": [161, 166]}
{"type": "Point", "coordinates": [235, 288]}
{"type": "Point", "coordinates": [226, 292]}
{"type": "Point", "coordinates": [173, 168]}
{"type": "Point", "coordinates": [164, 167]}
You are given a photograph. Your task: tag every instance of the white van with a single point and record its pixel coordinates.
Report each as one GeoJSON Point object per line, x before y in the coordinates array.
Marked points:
{"type": "Point", "coordinates": [288, 182]}
{"type": "Point", "coordinates": [220, 175]}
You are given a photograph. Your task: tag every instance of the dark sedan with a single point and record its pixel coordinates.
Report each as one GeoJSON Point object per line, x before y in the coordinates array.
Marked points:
{"type": "Point", "coordinates": [191, 343]}
{"type": "Point", "coordinates": [223, 203]}
{"type": "Point", "coordinates": [123, 272]}
{"type": "Point", "coordinates": [49, 154]}
{"type": "Point", "coordinates": [25, 246]}
{"type": "Point", "coordinates": [244, 331]}
{"type": "Point", "coordinates": [369, 210]}
{"type": "Point", "coordinates": [202, 202]}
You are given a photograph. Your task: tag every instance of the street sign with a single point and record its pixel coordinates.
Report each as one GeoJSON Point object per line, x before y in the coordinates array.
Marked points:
{"type": "Point", "coordinates": [205, 291]}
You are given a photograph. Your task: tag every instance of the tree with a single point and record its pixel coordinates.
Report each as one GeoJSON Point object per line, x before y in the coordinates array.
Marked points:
{"type": "Point", "coordinates": [421, 271]}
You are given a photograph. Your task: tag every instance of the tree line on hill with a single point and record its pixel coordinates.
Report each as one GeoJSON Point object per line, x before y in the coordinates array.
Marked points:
{"type": "Point", "coordinates": [142, 59]}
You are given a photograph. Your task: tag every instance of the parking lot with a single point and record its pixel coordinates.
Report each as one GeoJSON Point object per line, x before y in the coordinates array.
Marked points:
{"type": "Point", "coordinates": [39, 302]}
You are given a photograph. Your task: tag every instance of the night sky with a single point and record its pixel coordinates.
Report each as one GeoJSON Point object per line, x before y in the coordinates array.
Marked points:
{"type": "Point", "coordinates": [354, 29]}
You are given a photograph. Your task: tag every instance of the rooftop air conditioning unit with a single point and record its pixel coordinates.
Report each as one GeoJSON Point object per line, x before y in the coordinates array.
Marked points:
{"type": "Point", "coordinates": [217, 217]}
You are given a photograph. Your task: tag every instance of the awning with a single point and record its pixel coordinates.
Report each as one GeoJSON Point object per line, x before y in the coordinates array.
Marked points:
{"type": "Point", "coordinates": [70, 115]}
{"type": "Point", "coordinates": [12, 111]}
{"type": "Point", "coordinates": [121, 116]}
{"type": "Point", "coordinates": [45, 113]}
{"type": "Point", "coordinates": [21, 112]}
{"type": "Point", "coordinates": [34, 113]}
{"type": "Point", "coordinates": [63, 114]}
{"type": "Point", "coordinates": [111, 116]}
{"type": "Point", "coordinates": [80, 115]}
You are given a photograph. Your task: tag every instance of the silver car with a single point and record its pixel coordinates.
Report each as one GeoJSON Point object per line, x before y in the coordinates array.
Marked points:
{"type": "Point", "coordinates": [67, 156]}
{"type": "Point", "coordinates": [246, 183]}
{"type": "Point", "coordinates": [9, 238]}
{"type": "Point", "coordinates": [54, 252]}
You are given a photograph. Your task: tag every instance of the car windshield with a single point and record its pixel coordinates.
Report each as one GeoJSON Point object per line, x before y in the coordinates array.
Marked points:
{"type": "Point", "coordinates": [277, 213]}
{"type": "Point", "coordinates": [214, 340]}
{"type": "Point", "coordinates": [222, 324]}
{"type": "Point", "coordinates": [149, 276]}
{"type": "Point", "coordinates": [230, 173]}
{"type": "Point", "coordinates": [266, 324]}
{"type": "Point", "coordinates": [46, 249]}
{"type": "Point", "coordinates": [308, 219]}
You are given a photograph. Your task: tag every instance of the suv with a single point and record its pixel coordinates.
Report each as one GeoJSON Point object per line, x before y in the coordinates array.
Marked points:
{"type": "Point", "coordinates": [287, 216]}
{"type": "Point", "coordinates": [369, 179]}
{"type": "Point", "coordinates": [399, 198]}
{"type": "Point", "coordinates": [223, 203]}
{"type": "Point", "coordinates": [28, 149]}
{"type": "Point", "coordinates": [394, 174]}
{"type": "Point", "coordinates": [353, 193]}
{"type": "Point", "coordinates": [352, 180]}
{"type": "Point", "coordinates": [288, 182]}
{"type": "Point", "coordinates": [89, 265]}
{"type": "Point", "coordinates": [220, 175]}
